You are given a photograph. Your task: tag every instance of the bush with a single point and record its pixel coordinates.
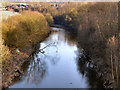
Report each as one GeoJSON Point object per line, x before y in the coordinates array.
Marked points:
{"type": "Point", "coordinates": [24, 30]}
{"type": "Point", "coordinates": [49, 19]}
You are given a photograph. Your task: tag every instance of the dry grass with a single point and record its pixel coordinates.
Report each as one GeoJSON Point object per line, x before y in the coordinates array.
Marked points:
{"type": "Point", "coordinates": [6, 55]}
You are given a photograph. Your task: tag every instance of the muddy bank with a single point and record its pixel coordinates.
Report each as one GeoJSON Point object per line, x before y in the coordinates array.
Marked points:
{"type": "Point", "coordinates": [13, 68]}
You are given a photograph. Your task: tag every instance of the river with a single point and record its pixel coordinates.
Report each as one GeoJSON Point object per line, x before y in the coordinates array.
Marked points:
{"type": "Point", "coordinates": [58, 64]}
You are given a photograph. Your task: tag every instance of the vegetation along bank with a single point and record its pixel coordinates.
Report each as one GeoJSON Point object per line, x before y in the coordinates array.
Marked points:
{"type": "Point", "coordinates": [95, 25]}
{"type": "Point", "coordinates": [96, 28]}
{"type": "Point", "coordinates": [21, 35]}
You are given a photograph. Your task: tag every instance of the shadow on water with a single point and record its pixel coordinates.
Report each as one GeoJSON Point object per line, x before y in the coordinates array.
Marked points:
{"type": "Point", "coordinates": [34, 71]}
{"type": "Point", "coordinates": [60, 63]}
{"type": "Point", "coordinates": [87, 70]}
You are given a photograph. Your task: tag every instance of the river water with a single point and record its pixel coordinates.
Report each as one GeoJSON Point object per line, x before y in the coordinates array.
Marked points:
{"type": "Point", "coordinates": [58, 64]}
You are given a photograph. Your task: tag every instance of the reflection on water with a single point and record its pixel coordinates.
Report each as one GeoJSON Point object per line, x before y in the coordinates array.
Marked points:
{"type": "Point", "coordinates": [56, 65]}
{"type": "Point", "coordinates": [87, 70]}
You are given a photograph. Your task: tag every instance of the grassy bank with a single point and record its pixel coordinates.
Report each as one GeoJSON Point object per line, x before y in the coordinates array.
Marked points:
{"type": "Point", "coordinates": [21, 35]}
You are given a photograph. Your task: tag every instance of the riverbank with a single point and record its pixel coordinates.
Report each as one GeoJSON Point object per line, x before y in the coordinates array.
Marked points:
{"type": "Point", "coordinates": [22, 35]}
{"type": "Point", "coordinates": [97, 32]}
{"type": "Point", "coordinates": [14, 69]}
{"type": "Point", "coordinates": [59, 57]}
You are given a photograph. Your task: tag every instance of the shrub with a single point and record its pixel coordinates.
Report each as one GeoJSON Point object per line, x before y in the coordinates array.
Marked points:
{"type": "Point", "coordinates": [49, 19]}
{"type": "Point", "coordinates": [23, 30]}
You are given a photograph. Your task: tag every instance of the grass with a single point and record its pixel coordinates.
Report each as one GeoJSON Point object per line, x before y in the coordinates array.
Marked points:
{"type": "Point", "coordinates": [6, 54]}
